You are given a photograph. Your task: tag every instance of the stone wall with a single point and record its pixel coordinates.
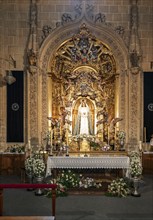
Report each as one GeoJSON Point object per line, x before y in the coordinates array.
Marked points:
{"type": "Point", "coordinates": [15, 31]}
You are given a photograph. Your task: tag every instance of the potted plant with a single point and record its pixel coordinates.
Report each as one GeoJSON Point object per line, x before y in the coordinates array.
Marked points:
{"type": "Point", "coordinates": [29, 170]}
{"type": "Point", "coordinates": [39, 172]}
{"type": "Point", "coordinates": [135, 171]}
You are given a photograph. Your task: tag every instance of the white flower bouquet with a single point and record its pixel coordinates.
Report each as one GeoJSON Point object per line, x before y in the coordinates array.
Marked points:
{"type": "Point", "coordinates": [134, 155]}
{"type": "Point", "coordinates": [68, 178]}
{"type": "Point", "coordinates": [135, 168]}
{"type": "Point", "coordinates": [118, 188]}
{"type": "Point", "coordinates": [38, 168]}
{"type": "Point", "coordinates": [135, 164]}
{"type": "Point", "coordinates": [29, 165]}
{"type": "Point", "coordinates": [88, 183]}
{"type": "Point", "coordinates": [38, 156]}
{"type": "Point", "coordinates": [61, 189]}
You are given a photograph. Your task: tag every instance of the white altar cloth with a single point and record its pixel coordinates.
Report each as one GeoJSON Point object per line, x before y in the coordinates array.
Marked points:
{"type": "Point", "coordinates": [103, 162]}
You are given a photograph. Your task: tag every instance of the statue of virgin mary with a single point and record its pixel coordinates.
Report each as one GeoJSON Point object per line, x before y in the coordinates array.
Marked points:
{"type": "Point", "coordinates": [83, 123]}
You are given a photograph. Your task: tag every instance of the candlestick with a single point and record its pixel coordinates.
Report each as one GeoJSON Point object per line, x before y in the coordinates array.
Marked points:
{"type": "Point", "coordinates": [60, 130]}
{"type": "Point", "coordinates": [54, 133]}
{"type": "Point", "coordinates": [51, 150]}
{"type": "Point", "coordinates": [67, 138]}
{"type": "Point", "coordinates": [108, 134]}
{"type": "Point", "coordinates": [115, 135]}
{"type": "Point", "coordinates": [51, 134]}
{"type": "Point", "coordinates": [67, 151]}
{"type": "Point", "coordinates": [102, 134]}
{"type": "Point", "coordinates": [145, 134]}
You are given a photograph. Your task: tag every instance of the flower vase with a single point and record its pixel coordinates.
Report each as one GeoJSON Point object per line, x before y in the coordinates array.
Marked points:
{"type": "Point", "coordinates": [51, 151]}
{"type": "Point", "coordinates": [39, 191]}
{"type": "Point", "coordinates": [30, 180]}
{"type": "Point", "coordinates": [121, 144]}
{"type": "Point", "coordinates": [136, 186]}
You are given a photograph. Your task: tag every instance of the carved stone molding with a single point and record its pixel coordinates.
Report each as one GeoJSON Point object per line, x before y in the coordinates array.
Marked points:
{"type": "Point", "coordinates": [44, 122]}
{"type": "Point", "coordinates": [134, 108]}
{"type": "Point", "coordinates": [33, 106]}
{"type": "Point", "coordinates": [123, 99]}
{"type": "Point", "coordinates": [82, 11]}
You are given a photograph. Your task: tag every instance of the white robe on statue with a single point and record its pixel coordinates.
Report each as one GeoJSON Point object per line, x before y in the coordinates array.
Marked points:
{"type": "Point", "coordinates": [84, 120]}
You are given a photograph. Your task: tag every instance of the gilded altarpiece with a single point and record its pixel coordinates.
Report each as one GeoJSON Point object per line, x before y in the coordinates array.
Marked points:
{"type": "Point", "coordinates": [83, 67]}
{"type": "Point", "coordinates": [77, 65]}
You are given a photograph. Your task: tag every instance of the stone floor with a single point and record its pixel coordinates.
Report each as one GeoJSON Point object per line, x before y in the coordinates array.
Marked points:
{"type": "Point", "coordinates": [81, 207]}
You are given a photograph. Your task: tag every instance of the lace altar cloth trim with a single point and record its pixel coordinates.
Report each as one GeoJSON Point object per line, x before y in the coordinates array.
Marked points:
{"type": "Point", "coordinates": [105, 162]}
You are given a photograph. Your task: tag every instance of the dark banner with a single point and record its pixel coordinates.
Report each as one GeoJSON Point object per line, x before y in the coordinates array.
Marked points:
{"type": "Point", "coordinates": [15, 109]}
{"type": "Point", "coordinates": [148, 104]}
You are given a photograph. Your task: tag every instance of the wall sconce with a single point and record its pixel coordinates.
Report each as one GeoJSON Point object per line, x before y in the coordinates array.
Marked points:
{"type": "Point", "coordinates": [9, 78]}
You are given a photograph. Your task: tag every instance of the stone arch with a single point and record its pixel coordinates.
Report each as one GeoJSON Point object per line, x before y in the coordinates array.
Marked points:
{"type": "Point", "coordinates": [102, 32]}
{"type": "Point", "coordinates": [62, 34]}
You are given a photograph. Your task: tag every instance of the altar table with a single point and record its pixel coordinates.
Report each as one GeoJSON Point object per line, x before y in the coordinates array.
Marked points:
{"type": "Point", "coordinates": [103, 162]}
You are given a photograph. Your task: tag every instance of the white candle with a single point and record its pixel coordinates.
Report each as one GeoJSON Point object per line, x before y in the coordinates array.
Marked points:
{"type": "Point", "coordinates": [29, 144]}
{"type": "Point", "coordinates": [41, 139]}
{"type": "Point", "coordinates": [140, 145]}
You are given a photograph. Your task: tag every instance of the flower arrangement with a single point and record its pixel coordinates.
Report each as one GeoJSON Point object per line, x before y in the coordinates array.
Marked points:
{"type": "Point", "coordinates": [29, 165]}
{"type": "Point", "coordinates": [118, 188]}
{"type": "Point", "coordinates": [38, 156]}
{"type": "Point", "coordinates": [61, 190]}
{"type": "Point", "coordinates": [67, 179]}
{"type": "Point", "coordinates": [38, 167]}
{"type": "Point", "coordinates": [35, 165]}
{"type": "Point", "coordinates": [134, 155]}
{"type": "Point", "coordinates": [135, 164]}
{"type": "Point", "coordinates": [106, 147]}
{"type": "Point", "coordinates": [121, 134]}
{"type": "Point", "coordinates": [16, 149]}
{"type": "Point", "coordinates": [88, 183]}
{"type": "Point", "coordinates": [95, 145]}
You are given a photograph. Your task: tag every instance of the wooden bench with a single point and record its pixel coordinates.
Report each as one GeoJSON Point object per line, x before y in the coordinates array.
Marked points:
{"type": "Point", "coordinates": [28, 186]}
